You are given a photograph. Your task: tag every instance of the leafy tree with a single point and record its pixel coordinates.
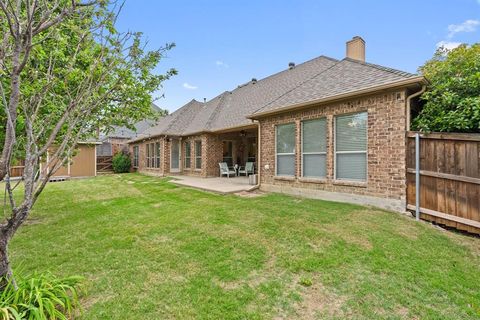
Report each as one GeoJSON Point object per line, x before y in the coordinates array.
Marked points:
{"type": "Point", "coordinates": [452, 99]}
{"type": "Point", "coordinates": [64, 71]}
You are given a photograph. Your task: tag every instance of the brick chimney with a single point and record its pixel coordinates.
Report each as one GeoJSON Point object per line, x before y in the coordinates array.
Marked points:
{"type": "Point", "coordinates": [356, 49]}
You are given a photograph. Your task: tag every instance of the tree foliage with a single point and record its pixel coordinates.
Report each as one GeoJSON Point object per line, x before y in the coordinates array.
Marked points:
{"type": "Point", "coordinates": [452, 99]}
{"type": "Point", "coordinates": [65, 70]}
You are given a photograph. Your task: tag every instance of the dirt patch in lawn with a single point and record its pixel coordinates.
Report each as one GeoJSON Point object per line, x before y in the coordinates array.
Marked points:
{"type": "Point", "coordinates": [250, 194]}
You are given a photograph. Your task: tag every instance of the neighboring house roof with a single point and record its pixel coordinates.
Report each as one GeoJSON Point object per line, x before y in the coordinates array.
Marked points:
{"type": "Point", "coordinates": [311, 81]}
{"type": "Point", "coordinates": [139, 128]}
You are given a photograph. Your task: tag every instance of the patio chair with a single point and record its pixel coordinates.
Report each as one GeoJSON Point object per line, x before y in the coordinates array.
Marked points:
{"type": "Point", "coordinates": [248, 170]}
{"type": "Point", "coordinates": [225, 171]}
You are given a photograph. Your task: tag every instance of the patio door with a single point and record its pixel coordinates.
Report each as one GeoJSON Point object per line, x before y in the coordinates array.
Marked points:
{"type": "Point", "coordinates": [175, 156]}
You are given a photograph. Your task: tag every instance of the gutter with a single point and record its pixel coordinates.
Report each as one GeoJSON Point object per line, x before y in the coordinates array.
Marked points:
{"type": "Point", "coordinates": [350, 94]}
{"type": "Point", "coordinates": [409, 100]}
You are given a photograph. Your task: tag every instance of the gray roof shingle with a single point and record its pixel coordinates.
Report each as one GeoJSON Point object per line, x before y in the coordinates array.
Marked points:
{"type": "Point", "coordinates": [319, 78]}
{"type": "Point", "coordinates": [345, 76]}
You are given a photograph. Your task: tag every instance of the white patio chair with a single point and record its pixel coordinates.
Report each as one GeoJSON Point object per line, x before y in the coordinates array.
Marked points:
{"type": "Point", "coordinates": [248, 170]}
{"type": "Point", "coordinates": [225, 171]}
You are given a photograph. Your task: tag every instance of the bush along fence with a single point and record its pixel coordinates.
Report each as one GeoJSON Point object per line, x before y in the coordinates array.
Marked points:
{"type": "Point", "coordinates": [443, 178]}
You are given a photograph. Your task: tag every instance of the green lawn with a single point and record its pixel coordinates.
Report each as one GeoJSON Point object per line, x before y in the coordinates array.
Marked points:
{"type": "Point", "coordinates": [151, 250]}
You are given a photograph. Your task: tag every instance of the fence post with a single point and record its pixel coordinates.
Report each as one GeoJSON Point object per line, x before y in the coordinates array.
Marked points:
{"type": "Point", "coordinates": [417, 176]}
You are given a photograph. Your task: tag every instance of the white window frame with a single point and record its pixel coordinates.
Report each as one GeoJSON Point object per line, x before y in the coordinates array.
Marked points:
{"type": "Point", "coordinates": [157, 151]}
{"type": "Point", "coordinates": [196, 156]}
{"type": "Point", "coordinates": [135, 156]}
{"type": "Point", "coordinates": [285, 154]}
{"type": "Point", "coordinates": [188, 155]}
{"type": "Point", "coordinates": [147, 155]}
{"type": "Point", "coordinates": [335, 152]}
{"type": "Point", "coordinates": [314, 153]}
{"type": "Point", "coordinates": [152, 155]}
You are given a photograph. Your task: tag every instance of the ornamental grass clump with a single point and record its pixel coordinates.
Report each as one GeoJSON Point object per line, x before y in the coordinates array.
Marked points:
{"type": "Point", "coordinates": [40, 297]}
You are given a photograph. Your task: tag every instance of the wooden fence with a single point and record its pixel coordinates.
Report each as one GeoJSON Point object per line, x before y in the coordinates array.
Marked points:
{"type": "Point", "coordinates": [449, 179]}
{"type": "Point", "coordinates": [16, 171]}
{"type": "Point", "coordinates": [104, 164]}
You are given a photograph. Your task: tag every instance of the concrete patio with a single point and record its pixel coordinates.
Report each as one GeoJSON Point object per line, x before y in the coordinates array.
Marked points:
{"type": "Point", "coordinates": [217, 185]}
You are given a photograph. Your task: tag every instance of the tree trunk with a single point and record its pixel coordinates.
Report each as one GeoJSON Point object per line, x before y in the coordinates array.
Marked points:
{"type": "Point", "coordinates": [5, 270]}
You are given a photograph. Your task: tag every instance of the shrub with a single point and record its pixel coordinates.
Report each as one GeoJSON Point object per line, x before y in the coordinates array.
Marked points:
{"type": "Point", "coordinates": [40, 297]}
{"type": "Point", "coordinates": [121, 163]}
{"type": "Point", "coordinates": [452, 99]}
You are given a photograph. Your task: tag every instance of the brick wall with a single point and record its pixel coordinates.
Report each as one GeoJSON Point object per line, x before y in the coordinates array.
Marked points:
{"type": "Point", "coordinates": [212, 154]}
{"type": "Point", "coordinates": [385, 148]}
{"type": "Point", "coordinates": [142, 163]}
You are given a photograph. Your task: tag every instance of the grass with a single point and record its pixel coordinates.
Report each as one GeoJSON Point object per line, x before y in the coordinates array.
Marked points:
{"type": "Point", "coordinates": [153, 250]}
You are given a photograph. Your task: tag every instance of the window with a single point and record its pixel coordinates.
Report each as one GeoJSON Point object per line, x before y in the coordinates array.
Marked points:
{"type": "Point", "coordinates": [147, 158]}
{"type": "Point", "coordinates": [152, 160]}
{"type": "Point", "coordinates": [351, 147]}
{"type": "Point", "coordinates": [252, 149]}
{"type": "Point", "coordinates": [285, 149]}
{"type": "Point", "coordinates": [188, 154]}
{"type": "Point", "coordinates": [314, 148]}
{"type": "Point", "coordinates": [198, 154]}
{"type": "Point", "coordinates": [135, 156]}
{"type": "Point", "coordinates": [228, 152]}
{"type": "Point", "coordinates": [157, 154]}
{"type": "Point", "coordinates": [152, 155]}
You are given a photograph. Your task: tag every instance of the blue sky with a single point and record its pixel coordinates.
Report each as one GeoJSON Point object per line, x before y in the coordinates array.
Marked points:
{"type": "Point", "coordinates": [222, 43]}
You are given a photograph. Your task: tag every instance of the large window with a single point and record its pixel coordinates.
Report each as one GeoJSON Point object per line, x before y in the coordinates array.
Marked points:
{"type": "Point", "coordinates": [351, 147]}
{"type": "Point", "coordinates": [314, 148]}
{"type": "Point", "coordinates": [198, 154]}
{"type": "Point", "coordinates": [152, 155]}
{"type": "Point", "coordinates": [228, 152]}
{"type": "Point", "coordinates": [188, 154]}
{"type": "Point", "coordinates": [135, 156]}
{"type": "Point", "coordinates": [285, 149]}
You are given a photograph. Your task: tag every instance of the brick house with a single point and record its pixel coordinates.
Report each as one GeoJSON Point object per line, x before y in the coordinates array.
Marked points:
{"type": "Point", "coordinates": [325, 128]}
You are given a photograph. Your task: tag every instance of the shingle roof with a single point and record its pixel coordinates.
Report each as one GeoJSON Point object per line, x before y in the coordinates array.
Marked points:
{"type": "Point", "coordinates": [322, 77]}
{"type": "Point", "coordinates": [139, 127]}
{"type": "Point", "coordinates": [345, 76]}
{"type": "Point", "coordinates": [176, 122]}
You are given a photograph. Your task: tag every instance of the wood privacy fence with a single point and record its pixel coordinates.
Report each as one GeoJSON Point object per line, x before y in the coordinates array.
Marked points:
{"type": "Point", "coordinates": [449, 174]}
{"type": "Point", "coordinates": [104, 164]}
{"type": "Point", "coordinates": [16, 171]}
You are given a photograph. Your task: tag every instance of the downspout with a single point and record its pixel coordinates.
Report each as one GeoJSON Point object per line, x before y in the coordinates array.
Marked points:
{"type": "Point", "coordinates": [409, 99]}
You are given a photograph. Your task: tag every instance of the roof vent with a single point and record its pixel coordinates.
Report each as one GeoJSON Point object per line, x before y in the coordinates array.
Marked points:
{"type": "Point", "coordinates": [356, 49]}
{"type": "Point", "coordinates": [254, 80]}
{"type": "Point", "coordinates": [291, 65]}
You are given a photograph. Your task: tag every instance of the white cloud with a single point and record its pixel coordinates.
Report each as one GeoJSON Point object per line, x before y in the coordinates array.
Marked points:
{"type": "Point", "coordinates": [223, 64]}
{"type": "Point", "coordinates": [188, 86]}
{"type": "Point", "coordinates": [449, 45]}
{"type": "Point", "coordinates": [467, 26]}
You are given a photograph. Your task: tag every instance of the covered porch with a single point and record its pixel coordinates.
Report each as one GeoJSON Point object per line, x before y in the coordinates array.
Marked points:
{"type": "Point", "coordinates": [215, 184]}
{"type": "Point", "coordinates": [238, 147]}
